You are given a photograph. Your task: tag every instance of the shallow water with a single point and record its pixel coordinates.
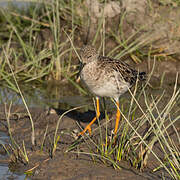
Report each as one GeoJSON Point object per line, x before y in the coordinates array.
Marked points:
{"type": "Point", "coordinates": [52, 96]}
{"type": "Point", "coordinates": [5, 173]}
{"type": "Point", "coordinates": [19, 4]}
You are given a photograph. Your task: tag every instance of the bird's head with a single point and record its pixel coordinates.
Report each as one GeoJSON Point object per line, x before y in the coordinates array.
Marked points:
{"type": "Point", "coordinates": [88, 54]}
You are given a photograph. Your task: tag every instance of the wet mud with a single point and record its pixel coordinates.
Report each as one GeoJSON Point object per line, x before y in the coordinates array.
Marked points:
{"type": "Point", "coordinates": [73, 165]}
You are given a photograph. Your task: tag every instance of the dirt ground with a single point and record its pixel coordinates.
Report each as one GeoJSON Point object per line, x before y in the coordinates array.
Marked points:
{"type": "Point", "coordinates": [62, 165]}
{"type": "Point", "coordinates": [70, 165]}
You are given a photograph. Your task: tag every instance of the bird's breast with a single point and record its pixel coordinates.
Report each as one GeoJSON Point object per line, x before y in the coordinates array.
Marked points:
{"type": "Point", "coordinates": [102, 83]}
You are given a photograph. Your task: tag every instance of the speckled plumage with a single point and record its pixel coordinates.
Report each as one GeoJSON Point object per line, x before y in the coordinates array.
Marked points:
{"type": "Point", "coordinates": [106, 77]}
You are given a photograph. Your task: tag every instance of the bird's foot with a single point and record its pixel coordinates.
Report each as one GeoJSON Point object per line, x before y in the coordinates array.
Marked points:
{"type": "Point", "coordinates": [87, 128]}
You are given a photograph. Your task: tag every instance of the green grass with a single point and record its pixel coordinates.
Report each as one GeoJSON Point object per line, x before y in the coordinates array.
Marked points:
{"type": "Point", "coordinates": [32, 59]}
{"type": "Point", "coordinates": [42, 43]}
{"type": "Point", "coordinates": [36, 41]}
{"type": "Point", "coordinates": [134, 146]}
{"type": "Point", "coordinates": [16, 153]}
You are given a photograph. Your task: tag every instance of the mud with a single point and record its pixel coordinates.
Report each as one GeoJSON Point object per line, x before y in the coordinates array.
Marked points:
{"type": "Point", "coordinates": [73, 165]}
{"type": "Point", "coordinates": [49, 103]}
{"type": "Point", "coordinates": [62, 165]}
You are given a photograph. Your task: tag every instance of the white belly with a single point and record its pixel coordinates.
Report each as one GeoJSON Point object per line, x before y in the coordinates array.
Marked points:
{"type": "Point", "coordinates": [108, 90]}
{"type": "Point", "coordinates": [104, 83]}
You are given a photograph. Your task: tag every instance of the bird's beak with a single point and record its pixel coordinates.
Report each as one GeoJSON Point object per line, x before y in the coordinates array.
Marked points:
{"type": "Point", "coordinates": [78, 79]}
{"type": "Point", "coordinates": [78, 76]}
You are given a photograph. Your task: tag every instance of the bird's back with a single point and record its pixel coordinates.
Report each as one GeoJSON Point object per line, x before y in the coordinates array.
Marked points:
{"type": "Point", "coordinates": [125, 71]}
{"type": "Point", "coordinates": [109, 77]}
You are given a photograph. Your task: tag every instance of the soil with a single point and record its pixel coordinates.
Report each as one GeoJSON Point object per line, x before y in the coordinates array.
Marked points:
{"type": "Point", "coordinates": [71, 165]}
{"type": "Point", "coordinates": [62, 165]}
{"type": "Point", "coordinates": [162, 34]}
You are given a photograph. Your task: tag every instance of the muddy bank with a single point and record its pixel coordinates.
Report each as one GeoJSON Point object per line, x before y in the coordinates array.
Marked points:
{"type": "Point", "coordinates": [62, 165]}
{"type": "Point", "coordinates": [156, 27]}
{"type": "Point", "coordinates": [73, 165]}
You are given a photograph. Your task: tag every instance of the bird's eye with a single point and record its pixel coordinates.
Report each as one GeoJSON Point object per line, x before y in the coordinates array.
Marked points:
{"type": "Point", "coordinates": [89, 56]}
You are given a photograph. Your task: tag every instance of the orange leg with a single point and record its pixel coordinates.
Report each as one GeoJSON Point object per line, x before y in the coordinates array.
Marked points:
{"type": "Point", "coordinates": [88, 127]}
{"type": "Point", "coordinates": [117, 118]}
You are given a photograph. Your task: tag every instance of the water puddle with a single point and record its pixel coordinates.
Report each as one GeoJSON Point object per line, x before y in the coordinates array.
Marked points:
{"type": "Point", "coordinates": [63, 96]}
{"type": "Point", "coordinates": [7, 174]}
{"type": "Point", "coordinates": [4, 169]}
{"type": "Point", "coordinates": [18, 4]}
{"type": "Point", "coordinates": [48, 95]}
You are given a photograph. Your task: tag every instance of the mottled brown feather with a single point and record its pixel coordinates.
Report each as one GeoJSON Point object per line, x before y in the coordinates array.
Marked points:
{"type": "Point", "coordinates": [129, 74]}
{"type": "Point", "coordinates": [106, 76]}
